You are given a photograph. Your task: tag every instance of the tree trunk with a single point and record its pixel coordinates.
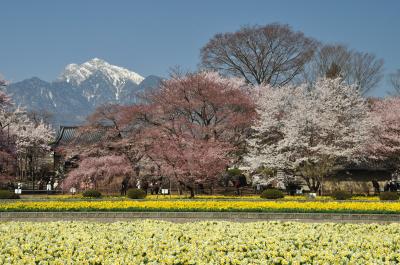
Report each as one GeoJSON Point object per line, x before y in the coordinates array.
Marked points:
{"type": "Point", "coordinates": [190, 188]}
{"type": "Point", "coordinates": [32, 173]}
{"type": "Point", "coordinates": [191, 191]}
{"type": "Point", "coordinates": [316, 185]}
{"type": "Point", "coordinates": [313, 184]}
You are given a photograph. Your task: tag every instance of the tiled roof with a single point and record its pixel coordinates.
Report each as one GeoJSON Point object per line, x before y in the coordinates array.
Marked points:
{"type": "Point", "coordinates": [73, 135]}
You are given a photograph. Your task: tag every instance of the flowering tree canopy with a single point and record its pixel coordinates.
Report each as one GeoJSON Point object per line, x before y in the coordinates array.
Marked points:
{"type": "Point", "coordinates": [193, 123]}
{"type": "Point", "coordinates": [123, 128]}
{"type": "Point", "coordinates": [212, 107]}
{"type": "Point", "coordinates": [186, 159]}
{"type": "Point", "coordinates": [307, 129]}
{"type": "Point", "coordinates": [5, 100]}
{"type": "Point", "coordinates": [385, 142]}
{"type": "Point", "coordinates": [104, 170]}
{"type": "Point", "coordinates": [29, 135]}
{"type": "Point", "coordinates": [5, 103]}
{"type": "Point", "coordinates": [7, 147]}
{"type": "Point", "coordinates": [21, 137]}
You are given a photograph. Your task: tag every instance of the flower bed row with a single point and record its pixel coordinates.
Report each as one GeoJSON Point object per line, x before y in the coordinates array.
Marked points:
{"type": "Point", "coordinates": [198, 197]}
{"type": "Point", "coordinates": [204, 205]}
{"type": "Point", "coordinates": [155, 242]}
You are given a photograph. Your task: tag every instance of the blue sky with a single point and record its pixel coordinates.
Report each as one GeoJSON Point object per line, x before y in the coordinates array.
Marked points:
{"type": "Point", "coordinates": [38, 38]}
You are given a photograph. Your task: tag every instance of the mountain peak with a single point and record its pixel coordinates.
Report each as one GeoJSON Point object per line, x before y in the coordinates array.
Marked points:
{"type": "Point", "coordinates": [118, 76]}
{"type": "Point", "coordinates": [97, 60]}
{"type": "Point", "coordinates": [80, 89]}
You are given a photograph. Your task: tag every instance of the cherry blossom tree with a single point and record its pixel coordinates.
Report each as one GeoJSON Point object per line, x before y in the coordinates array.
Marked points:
{"type": "Point", "coordinates": [5, 103]}
{"type": "Point", "coordinates": [105, 171]}
{"type": "Point", "coordinates": [32, 141]}
{"type": "Point", "coordinates": [385, 142]}
{"type": "Point", "coordinates": [7, 145]}
{"type": "Point", "coordinates": [21, 138]}
{"type": "Point", "coordinates": [28, 134]}
{"type": "Point", "coordinates": [5, 100]}
{"type": "Point", "coordinates": [190, 128]}
{"type": "Point", "coordinates": [7, 155]}
{"type": "Point", "coordinates": [123, 129]}
{"type": "Point", "coordinates": [186, 159]}
{"type": "Point", "coordinates": [307, 130]}
{"type": "Point", "coordinates": [119, 137]}
{"type": "Point", "coordinates": [194, 124]}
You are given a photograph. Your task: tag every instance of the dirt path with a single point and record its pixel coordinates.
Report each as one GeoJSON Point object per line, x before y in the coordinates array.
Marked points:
{"type": "Point", "coordinates": [198, 216]}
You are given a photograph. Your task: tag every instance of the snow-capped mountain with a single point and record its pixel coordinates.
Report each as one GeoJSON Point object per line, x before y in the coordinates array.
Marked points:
{"type": "Point", "coordinates": [80, 89]}
{"type": "Point", "coordinates": [116, 76]}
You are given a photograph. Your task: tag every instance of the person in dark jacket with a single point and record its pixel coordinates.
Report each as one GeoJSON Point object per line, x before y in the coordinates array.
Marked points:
{"type": "Point", "coordinates": [376, 186]}
{"type": "Point", "coordinates": [124, 186]}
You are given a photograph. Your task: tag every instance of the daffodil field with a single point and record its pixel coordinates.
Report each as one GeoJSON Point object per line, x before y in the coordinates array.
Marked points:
{"type": "Point", "coordinates": [158, 242]}
{"type": "Point", "coordinates": [198, 197]}
{"type": "Point", "coordinates": [204, 205]}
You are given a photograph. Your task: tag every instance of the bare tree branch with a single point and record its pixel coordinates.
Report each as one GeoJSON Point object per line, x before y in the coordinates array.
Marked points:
{"type": "Point", "coordinates": [272, 54]}
{"type": "Point", "coordinates": [394, 79]}
{"type": "Point", "coordinates": [359, 68]}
